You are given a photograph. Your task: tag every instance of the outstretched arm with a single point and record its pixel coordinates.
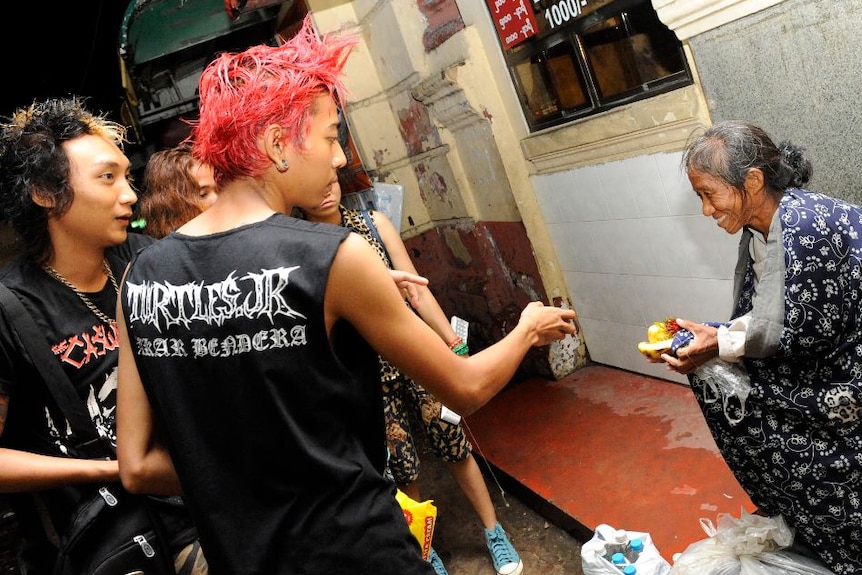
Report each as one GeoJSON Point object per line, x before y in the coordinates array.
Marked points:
{"type": "Point", "coordinates": [360, 291]}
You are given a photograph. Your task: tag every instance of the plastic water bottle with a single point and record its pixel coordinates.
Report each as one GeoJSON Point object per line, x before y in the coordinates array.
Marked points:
{"type": "Point", "coordinates": [618, 543]}
{"type": "Point", "coordinates": [601, 547]}
{"type": "Point", "coordinates": [630, 570]}
{"type": "Point", "coordinates": [619, 560]}
{"type": "Point", "coordinates": [634, 549]}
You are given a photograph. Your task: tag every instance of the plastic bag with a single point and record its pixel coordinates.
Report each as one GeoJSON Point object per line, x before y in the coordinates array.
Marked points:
{"type": "Point", "coordinates": [725, 380]}
{"type": "Point", "coordinates": [749, 545]}
{"type": "Point", "coordinates": [593, 561]}
{"type": "Point", "coordinates": [421, 517]}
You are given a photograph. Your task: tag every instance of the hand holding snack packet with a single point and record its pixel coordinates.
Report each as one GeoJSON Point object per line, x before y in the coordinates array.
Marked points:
{"type": "Point", "coordinates": [659, 338]}
{"type": "Point", "coordinates": [668, 337]}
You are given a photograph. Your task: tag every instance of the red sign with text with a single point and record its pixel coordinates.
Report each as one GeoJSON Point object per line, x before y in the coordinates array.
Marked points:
{"type": "Point", "coordinates": [514, 20]}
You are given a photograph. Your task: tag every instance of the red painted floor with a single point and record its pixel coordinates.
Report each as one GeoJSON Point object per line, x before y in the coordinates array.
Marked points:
{"type": "Point", "coordinates": [609, 446]}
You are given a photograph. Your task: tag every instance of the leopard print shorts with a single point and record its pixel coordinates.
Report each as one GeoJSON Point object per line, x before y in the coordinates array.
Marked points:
{"type": "Point", "coordinates": [402, 398]}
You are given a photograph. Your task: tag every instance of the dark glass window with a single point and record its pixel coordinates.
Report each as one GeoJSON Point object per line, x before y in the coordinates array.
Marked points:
{"type": "Point", "coordinates": [588, 56]}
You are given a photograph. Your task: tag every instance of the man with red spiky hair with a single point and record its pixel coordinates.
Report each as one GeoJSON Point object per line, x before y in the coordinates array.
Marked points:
{"type": "Point", "coordinates": [248, 371]}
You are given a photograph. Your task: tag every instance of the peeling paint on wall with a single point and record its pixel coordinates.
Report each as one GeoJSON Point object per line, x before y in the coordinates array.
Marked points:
{"type": "Point", "coordinates": [460, 252]}
{"type": "Point", "coordinates": [433, 183]}
{"type": "Point", "coordinates": [444, 20]}
{"type": "Point", "coordinates": [567, 355]}
{"type": "Point", "coordinates": [417, 129]}
{"type": "Point", "coordinates": [486, 273]}
{"type": "Point", "coordinates": [379, 157]}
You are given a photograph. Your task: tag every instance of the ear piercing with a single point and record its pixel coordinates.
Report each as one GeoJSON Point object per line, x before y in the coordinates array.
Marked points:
{"type": "Point", "coordinates": [283, 167]}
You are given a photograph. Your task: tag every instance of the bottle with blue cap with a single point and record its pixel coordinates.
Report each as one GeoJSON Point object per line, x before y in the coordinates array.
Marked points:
{"type": "Point", "coordinates": [619, 560]}
{"type": "Point", "coordinates": [634, 549]}
{"type": "Point", "coordinates": [618, 543]}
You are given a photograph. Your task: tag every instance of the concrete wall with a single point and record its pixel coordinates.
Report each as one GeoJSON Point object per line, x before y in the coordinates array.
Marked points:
{"type": "Point", "coordinates": [423, 116]}
{"type": "Point", "coordinates": [610, 222]}
{"type": "Point", "coordinates": [597, 205]}
{"type": "Point", "coordinates": [794, 70]}
{"type": "Point", "coordinates": [625, 224]}
{"type": "Point", "coordinates": [634, 249]}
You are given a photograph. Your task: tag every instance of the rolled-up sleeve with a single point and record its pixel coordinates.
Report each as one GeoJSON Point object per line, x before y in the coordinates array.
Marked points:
{"type": "Point", "coordinates": [731, 339]}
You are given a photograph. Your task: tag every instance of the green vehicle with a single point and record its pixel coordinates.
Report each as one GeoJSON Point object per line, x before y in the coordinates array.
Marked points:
{"type": "Point", "coordinates": [165, 44]}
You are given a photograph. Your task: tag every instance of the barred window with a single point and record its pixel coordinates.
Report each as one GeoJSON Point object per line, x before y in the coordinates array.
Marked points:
{"type": "Point", "coordinates": [572, 58]}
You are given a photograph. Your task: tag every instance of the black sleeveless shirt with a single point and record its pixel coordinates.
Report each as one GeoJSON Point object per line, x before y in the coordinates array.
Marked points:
{"type": "Point", "coordinates": [275, 428]}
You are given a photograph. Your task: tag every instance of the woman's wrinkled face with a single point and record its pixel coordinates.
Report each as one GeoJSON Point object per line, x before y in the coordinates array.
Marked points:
{"type": "Point", "coordinates": [720, 201]}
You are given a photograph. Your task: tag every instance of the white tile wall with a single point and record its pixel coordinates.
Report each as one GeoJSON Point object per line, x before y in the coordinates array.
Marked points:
{"type": "Point", "coordinates": [634, 249]}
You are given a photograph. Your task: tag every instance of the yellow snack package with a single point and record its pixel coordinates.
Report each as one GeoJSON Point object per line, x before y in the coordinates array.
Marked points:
{"type": "Point", "coordinates": [421, 518]}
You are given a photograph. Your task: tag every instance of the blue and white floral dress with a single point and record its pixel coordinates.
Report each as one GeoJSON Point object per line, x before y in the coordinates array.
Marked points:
{"type": "Point", "coordinates": [796, 447]}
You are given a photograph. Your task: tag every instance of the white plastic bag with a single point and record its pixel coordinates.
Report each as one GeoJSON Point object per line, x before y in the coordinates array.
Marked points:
{"type": "Point", "coordinates": [650, 561]}
{"type": "Point", "coordinates": [725, 381]}
{"type": "Point", "coordinates": [749, 545]}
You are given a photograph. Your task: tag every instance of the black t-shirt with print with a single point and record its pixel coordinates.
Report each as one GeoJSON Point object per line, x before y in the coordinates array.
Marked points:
{"type": "Point", "coordinates": [87, 349]}
{"type": "Point", "coordinates": [85, 346]}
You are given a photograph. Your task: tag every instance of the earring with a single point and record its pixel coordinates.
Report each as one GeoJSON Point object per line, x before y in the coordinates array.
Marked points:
{"type": "Point", "coordinates": [283, 167]}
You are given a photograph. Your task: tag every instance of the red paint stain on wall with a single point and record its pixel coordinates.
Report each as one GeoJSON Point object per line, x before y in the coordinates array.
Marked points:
{"type": "Point", "coordinates": [417, 129]}
{"type": "Point", "coordinates": [484, 272]}
{"type": "Point", "coordinates": [444, 20]}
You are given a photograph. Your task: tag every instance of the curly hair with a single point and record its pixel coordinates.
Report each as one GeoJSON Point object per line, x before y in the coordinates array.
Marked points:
{"type": "Point", "coordinates": [242, 93]}
{"type": "Point", "coordinates": [171, 192]}
{"type": "Point", "coordinates": [34, 163]}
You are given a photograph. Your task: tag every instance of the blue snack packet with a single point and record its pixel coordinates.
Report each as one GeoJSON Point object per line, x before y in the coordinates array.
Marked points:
{"type": "Point", "coordinates": [683, 337]}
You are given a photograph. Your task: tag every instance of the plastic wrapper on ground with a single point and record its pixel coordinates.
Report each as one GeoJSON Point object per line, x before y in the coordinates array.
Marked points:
{"type": "Point", "coordinates": [748, 545]}
{"type": "Point", "coordinates": [421, 518]}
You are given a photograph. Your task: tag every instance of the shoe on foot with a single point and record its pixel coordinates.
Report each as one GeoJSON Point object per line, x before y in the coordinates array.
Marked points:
{"type": "Point", "coordinates": [505, 558]}
{"type": "Point", "coordinates": [437, 563]}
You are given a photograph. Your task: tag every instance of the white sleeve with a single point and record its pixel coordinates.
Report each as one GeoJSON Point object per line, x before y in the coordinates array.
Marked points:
{"type": "Point", "coordinates": [731, 339]}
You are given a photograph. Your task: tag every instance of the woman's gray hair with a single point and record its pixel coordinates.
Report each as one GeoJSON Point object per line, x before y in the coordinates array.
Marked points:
{"type": "Point", "coordinates": [728, 150]}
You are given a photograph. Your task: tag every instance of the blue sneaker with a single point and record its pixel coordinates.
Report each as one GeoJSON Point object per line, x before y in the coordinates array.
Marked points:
{"type": "Point", "coordinates": [505, 558]}
{"type": "Point", "coordinates": [437, 563]}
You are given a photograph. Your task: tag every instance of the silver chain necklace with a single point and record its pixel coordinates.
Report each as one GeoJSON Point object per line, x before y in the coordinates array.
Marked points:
{"type": "Point", "coordinates": [92, 307]}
